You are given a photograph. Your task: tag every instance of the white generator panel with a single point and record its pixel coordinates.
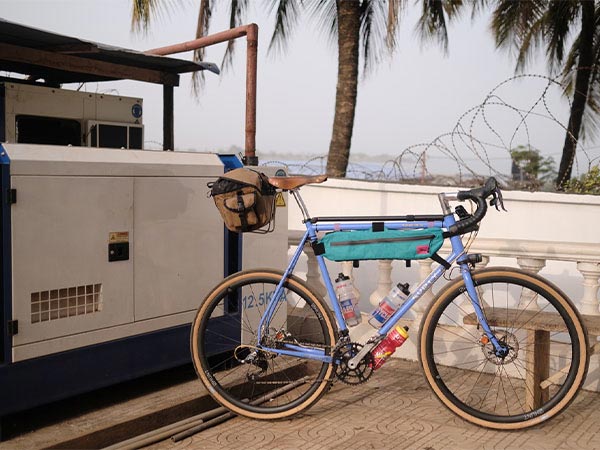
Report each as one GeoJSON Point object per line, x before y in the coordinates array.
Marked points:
{"type": "Point", "coordinates": [108, 244]}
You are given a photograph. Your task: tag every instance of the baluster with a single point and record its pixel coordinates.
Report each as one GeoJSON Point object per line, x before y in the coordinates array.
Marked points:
{"type": "Point", "coordinates": [591, 273]}
{"type": "Point", "coordinates": [424, 271]}
{"type": "Point", "coordinates": [528, 298]}
{"type": "Point", "coordinates": [384, 282]}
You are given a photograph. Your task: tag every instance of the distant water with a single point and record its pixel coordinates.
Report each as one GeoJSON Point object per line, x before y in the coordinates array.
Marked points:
{"type": "Point", "coordinates": [363, 170]}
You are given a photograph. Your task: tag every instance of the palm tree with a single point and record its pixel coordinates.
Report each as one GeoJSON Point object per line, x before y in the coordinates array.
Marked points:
{"type": "Point", "coordinates": [526, 25]}
{"type": "Point", "coordinates": [367, 25]}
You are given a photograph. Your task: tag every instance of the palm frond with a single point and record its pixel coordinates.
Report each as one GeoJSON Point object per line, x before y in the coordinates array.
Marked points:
{"type": "Point", "coordinates": [479, 6]}
{"type": "Point", "coordinates": [373, 24]}
{"type": "Point", "coordinates": [532, 41]}
{"type": "Point", "coordinates": [432, 23]}
{"type": "Point", "coordinates": [558, 21]}
{"type": "Point", "coordinates": [204, 15]}
{"type": "Point", "coordinates": [325, 14]}
{"type": "Point", "coordinates": [570, 68]}
{"type": "Point", "coordinates": [142, 12]}
{"type": "Point", "coordinates": [237, 13]}
{"type": "Point", "coordinates": [513, 20]}
{"type": "Point", "coordinates": [590, 127]}
{"type": "Point", "coordinates": [286, 17]}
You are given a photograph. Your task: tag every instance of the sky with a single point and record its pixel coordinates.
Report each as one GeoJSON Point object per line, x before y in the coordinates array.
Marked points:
{"type": "Point", "coordinates": [418, 95]}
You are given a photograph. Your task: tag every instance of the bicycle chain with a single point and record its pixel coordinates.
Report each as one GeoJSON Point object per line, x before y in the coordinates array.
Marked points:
{"type": "Point", "coordinates": [343, 352]}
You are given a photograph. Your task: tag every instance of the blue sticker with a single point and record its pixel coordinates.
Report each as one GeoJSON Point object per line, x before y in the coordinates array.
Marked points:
{"type": "Point", "coordinates": [280, 173]}
{"type": "Point", "coordinates": [136, 110]}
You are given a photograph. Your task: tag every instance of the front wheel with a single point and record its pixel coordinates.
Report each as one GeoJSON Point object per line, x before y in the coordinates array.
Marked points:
{"type": "Point", "coordinates": [544, 356]}
{"type": "Point", "coordinates": [237, 370]}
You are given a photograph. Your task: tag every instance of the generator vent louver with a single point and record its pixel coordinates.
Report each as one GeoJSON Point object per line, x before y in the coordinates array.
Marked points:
{"type": "Point", "coordinates": [61, 303]}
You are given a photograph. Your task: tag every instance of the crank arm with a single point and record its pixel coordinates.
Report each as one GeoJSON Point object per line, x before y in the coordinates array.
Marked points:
{"type": "Point", "coordinates": [353, 363]}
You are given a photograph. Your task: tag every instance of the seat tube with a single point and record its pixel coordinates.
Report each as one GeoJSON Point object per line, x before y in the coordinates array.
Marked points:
{"type": "Point", "coordinates": [337, 311]}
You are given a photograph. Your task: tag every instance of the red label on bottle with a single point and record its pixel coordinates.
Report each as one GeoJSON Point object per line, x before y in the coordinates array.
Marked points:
{"type": "Point", "coordinates": [386, 309]}
{"type": "Point", "coordinates": [347, 309]}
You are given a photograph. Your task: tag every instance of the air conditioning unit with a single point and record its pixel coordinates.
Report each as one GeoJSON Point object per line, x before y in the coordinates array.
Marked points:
{"type": "Point", "coordinates": [114, 135]}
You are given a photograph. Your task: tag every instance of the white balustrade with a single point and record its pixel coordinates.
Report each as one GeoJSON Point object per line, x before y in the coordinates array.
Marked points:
{"type": "Point", "coordinates": [384, 282]}
{"type": "Point", "coordinates": [591, 273]}
{"type": "Point", "coordinates": [529, 298]}
{"type": "Point", "coordinates": [531, 256]}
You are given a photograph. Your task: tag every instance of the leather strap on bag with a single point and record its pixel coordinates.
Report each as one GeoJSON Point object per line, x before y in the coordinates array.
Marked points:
{"type": "Point", "coordinates": [241, 211]}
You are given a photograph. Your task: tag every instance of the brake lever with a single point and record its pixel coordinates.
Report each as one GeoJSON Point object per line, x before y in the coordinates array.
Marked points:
{"type": "Point", "coordinates": [497, 200]}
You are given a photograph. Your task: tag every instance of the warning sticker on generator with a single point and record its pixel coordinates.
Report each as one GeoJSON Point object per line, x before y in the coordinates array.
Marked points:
{"type": "Point", "coordinates": [115, 237]}
{"type": "Point", "coordinates": [279, 200]}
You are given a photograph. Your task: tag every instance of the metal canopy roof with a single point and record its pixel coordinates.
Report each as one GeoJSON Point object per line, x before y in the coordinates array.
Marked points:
{"type": "Point", "coordinates": [63, 59]}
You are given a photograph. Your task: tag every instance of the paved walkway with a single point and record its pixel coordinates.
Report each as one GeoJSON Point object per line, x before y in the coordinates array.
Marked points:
{"type": "Point", "coordinates": [394, 410]}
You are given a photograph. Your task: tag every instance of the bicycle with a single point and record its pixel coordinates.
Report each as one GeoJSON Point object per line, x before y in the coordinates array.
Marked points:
{"type": "Point", "coordinates": [500, 347]}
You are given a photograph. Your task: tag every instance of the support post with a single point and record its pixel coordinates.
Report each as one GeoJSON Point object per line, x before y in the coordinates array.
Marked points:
{"type": "Point", "coordinates": [168, 119]}
{"type": "Point", "coordinates": [538, 368]}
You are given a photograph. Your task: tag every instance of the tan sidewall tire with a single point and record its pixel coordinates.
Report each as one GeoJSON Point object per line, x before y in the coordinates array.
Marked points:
{"type": "Point", "coordinates": [276, 277]}
{"type": "Point", "coordinates": [449, 290]}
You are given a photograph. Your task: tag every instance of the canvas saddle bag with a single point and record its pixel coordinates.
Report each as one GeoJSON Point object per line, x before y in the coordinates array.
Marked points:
{"type": "Point", "coordinates": [245, 200]}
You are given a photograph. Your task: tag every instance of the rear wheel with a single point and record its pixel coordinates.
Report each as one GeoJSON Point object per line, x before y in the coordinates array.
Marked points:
{"type": "Point", "coordinates": [236, 371]}
{"type": "Point", "coordinates": [542, 364]}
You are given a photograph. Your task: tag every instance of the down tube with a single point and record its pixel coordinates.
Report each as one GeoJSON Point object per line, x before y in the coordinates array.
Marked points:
{"type": "Point", "coordinates": [414, 297]}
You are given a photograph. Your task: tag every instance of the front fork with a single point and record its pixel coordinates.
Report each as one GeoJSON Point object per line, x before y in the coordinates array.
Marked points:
{"type": "Point", "coordinates": [501, 350]}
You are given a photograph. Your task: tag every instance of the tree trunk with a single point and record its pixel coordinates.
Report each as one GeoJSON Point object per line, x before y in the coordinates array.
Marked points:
{"type": "Point", "coordinates": [582, 84]}
{"type": "Point", "coordinates": [348, 17]}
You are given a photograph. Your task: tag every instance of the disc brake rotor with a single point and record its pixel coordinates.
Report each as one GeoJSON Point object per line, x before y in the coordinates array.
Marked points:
{"type": "Point", "coordinates": [506, 339]}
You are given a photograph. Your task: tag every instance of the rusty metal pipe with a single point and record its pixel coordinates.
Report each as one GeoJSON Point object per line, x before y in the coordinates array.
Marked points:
{"type": "Point", "coordinates": [251, 33]}
{"type": "Point", "coordinates": [251, 64]}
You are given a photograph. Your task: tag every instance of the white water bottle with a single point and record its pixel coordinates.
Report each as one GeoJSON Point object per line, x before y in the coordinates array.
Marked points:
{"type": "Point", "coordinates": [348, 303]}
{"type": "Point", "coordinates": [390, 303]}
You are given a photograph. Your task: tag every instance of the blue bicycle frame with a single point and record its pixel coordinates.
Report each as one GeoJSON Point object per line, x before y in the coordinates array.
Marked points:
{"type": "Point", "coordinates": [313, 226]}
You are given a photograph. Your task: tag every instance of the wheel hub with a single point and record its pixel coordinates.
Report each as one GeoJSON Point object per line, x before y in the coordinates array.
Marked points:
{"type": "Point", "coordinates": [508, 351]}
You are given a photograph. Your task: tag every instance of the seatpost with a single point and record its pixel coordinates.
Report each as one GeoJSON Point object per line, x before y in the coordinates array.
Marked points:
{"type": "Point", "coordinates": [300, 202]}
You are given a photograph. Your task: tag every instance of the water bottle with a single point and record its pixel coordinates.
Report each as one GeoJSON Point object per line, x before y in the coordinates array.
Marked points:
{"type": "Point", "coordinates": [389, 304]}
{"type": "Point", "coordinates": [388, 346]}
{"type": "Point", "coordinates": [348, 302]}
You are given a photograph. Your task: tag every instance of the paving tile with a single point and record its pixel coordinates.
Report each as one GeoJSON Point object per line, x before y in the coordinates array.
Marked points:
{"type": "Point", "coordinates": [395, 409]}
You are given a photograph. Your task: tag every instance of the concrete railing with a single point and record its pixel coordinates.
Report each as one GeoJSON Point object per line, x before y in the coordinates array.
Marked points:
{"type": "Point", "coordinates": [547, 232]}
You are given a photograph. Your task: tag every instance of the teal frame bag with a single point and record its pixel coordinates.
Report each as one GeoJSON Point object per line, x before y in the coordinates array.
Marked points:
{"type": "Point", "coordinates": [385, 244]}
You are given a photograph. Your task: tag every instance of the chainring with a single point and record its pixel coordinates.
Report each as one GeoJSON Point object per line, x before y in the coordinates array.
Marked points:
{"type": "Point", "coordinates": [363, 370]}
